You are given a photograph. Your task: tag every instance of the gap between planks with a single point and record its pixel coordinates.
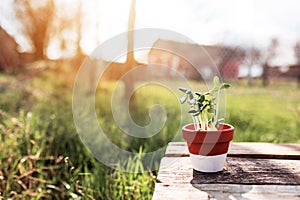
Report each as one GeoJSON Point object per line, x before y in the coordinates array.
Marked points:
{"type": "Point", "coordinates": [245, 150]}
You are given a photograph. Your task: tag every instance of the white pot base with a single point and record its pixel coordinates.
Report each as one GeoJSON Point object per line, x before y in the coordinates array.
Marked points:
{"type": "Point", "coordinates": [208, 163]}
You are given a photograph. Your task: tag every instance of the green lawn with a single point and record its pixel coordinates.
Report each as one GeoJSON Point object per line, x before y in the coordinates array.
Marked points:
{"type": "Point", "coordinates": [42, 155]}
{"type": "Point", "coordinates": [270, 114]}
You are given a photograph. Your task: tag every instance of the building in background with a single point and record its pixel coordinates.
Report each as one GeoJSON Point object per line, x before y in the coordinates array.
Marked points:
{"type": "Point", "coordinates": [190, 59]}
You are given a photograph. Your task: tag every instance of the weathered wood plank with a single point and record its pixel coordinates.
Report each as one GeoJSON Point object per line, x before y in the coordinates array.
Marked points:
{"type": "Point", "coordinates": [245, 149]}
{"type": "Point", "coordinates": [253, 171]}
{"type": "Point", "coordinates": [177, 191]}
{"type": "Point", "coordinates": [224, 191]}
{"type": "Point", "coordinates": [237, 171]}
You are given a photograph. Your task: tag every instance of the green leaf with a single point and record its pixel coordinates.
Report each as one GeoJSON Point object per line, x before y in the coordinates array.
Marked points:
{"type": "Point", "coordinates": [196, 114]}
{"type": "Point", "coordinates": [203, 107]}
{"type": "Point", "coordinates": [225, 86]}
{"type": "Point", "coordinates": [211, 110]}
{"type": "Point", "coordinates": [217, 81]}
{"type": "Point", "coordinates": [183, 99]}
{"type": "Point", "coordinates": [193, 111]}
{"type": "Point", "coordinates": [191, 96]}
{"type": "Point", "coordinates": [199, 104]}
{"type": "Point", "coordinates": [191, 102]}
{"type": "Point", "coordinates": [201, 98]}
{"type": "Point", "coordinates": [183, 89]}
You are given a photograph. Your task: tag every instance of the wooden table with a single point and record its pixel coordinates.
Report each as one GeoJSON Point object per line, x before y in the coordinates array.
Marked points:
{"type": "Point", "coordinates": [252, 171]}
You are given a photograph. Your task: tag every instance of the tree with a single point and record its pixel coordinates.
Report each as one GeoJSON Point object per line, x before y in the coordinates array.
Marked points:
{"type": "Point", "coordinates": [130, 61]}
{"type": "Point", "coordinates": [297, 52]}
{"type": "Point", "coordinates": [65, 23]}
{"type": "Point", "coordinates": [254, 55]}
{"type": "Point", "coordinates": [45, 21]}
{"type": "Point", "coordinates": [36, 17]}
{"type": "Point", "coordinates": [270, 54]}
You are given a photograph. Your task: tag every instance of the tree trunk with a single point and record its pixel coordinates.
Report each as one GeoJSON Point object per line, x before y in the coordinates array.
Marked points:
{"type": "Point", "coordinates": [130, 61]}
{"type": "Point", "coordinates": [265, 75]}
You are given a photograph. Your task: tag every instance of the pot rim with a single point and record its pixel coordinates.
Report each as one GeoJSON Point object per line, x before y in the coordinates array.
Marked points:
{"type": "Point", "coordinates": [228, 127]}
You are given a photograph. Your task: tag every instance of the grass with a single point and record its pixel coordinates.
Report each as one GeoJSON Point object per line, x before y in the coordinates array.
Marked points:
{"type": "Point", "coordinates": [269, 114]}
{"type": "Point", "coordinates": [43, 157]}
{"type": "Point", "coordinates": [41, 153]}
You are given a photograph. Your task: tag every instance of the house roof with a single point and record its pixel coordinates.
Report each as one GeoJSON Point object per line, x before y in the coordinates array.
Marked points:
{"type": "Point", "coordinates": [195, 53]}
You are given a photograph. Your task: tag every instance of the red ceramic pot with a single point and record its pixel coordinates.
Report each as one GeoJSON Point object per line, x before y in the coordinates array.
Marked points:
{"type": "Point", "coordinates": [208, 149]}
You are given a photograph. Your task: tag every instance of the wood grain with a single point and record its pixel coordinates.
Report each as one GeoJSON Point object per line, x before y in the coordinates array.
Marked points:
{"type": "Point", "coordinates": [225, 191]}
{"type": "Point", "coordinates": [245, 149]}
{"type": "Point", "coordinates": [252, 171]}
{"type": "Point", "coordinates": [236, 171]}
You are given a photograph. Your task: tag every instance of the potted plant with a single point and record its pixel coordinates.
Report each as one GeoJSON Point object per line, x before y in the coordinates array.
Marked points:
{"type": "Point", "coordinates": [208, 137]}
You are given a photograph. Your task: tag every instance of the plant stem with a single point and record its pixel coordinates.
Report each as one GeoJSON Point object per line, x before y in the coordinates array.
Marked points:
{"type": "Point", "coordinates": [199, 122]}
{"type": "Point", "coordinates": [216, 110]}
{"type": "Point", "coordinates": [195, 123]}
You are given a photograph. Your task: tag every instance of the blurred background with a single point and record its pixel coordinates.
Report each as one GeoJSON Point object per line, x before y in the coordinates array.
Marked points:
{"type": "Point", "coordinates": [244, 38]}
{"type": "Point", "coordinates": [255, 45]}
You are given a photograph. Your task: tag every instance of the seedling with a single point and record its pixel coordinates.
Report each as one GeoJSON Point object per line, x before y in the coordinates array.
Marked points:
{"type": "Point", "coordinates": [204, 106]}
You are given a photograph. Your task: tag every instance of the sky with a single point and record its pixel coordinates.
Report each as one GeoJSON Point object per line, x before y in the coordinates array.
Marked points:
{"type": "Point", "coordinates": [244, 23]}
